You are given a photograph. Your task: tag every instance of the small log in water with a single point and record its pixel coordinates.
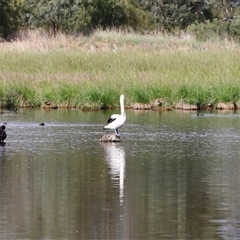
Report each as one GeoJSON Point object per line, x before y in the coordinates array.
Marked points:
{"type": "Point", "coordinates": [110, 138]}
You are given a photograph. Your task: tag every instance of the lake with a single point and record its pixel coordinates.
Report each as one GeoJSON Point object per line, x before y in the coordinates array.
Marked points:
{"type": "Point", "coordinates": [175, 175]}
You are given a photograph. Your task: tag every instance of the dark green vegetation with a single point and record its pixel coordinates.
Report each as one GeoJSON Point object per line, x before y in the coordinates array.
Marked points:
{"type": "Point", "coordinates": [201, 17]}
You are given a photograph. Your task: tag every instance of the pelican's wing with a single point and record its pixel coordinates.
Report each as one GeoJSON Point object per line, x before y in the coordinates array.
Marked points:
{"type": "Point", "coordinates": [111, 119]}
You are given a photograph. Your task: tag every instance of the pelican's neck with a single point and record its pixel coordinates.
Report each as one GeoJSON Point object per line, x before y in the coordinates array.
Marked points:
{"type": "Point", "coordinates": [123, 114]}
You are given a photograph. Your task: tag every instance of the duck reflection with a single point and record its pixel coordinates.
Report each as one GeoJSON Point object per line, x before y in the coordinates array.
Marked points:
{"type": "Point", "coordinates": [2, 148]}
{"type": "Point", "coordinates": [115, 158]}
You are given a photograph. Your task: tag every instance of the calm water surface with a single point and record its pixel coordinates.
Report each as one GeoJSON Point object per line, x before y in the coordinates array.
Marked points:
{"type": "Point", "coordinates": [174, 176]}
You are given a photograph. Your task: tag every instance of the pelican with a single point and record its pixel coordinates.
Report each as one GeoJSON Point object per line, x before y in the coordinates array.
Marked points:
{"type": "Point", "coordinates": [117, 120]}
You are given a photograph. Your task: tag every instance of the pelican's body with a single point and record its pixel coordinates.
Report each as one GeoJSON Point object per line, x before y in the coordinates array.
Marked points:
{"type": "Point", "coordinates": [117, 120]}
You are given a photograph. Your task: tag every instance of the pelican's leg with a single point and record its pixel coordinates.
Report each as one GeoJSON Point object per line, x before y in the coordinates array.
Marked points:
{"type": "Point", "coordinates": [117, 133]}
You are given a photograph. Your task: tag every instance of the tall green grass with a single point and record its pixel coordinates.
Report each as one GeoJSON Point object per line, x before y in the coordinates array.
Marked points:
{"type": "Point", "coordinates": [77, 77]}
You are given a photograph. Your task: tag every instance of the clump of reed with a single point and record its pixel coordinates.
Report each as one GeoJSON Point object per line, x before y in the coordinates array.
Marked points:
{"type": "Point", "coordinates": [92, 72]}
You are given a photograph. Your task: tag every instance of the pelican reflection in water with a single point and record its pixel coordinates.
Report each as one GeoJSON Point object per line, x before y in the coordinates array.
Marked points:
{"type": "Point", "coordinates": [115, 158]}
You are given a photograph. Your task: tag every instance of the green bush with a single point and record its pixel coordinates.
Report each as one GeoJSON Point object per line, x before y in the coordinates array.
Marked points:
{"type": "Point", "coordinates": [217, 29]}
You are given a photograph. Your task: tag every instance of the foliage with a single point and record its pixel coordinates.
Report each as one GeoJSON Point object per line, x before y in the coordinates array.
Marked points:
{"type": "Point", "coordinates": [216, 29]}
{"type": "Point", "coordinates": [171, 15]}
{"type": "Point", "coordinates": [20, 94]}
{"type": "Point", "coordinates": [226, 93]}
{"type": "Point", "coordinates": [139, 92]}
{"type": "Point", "coordinates": [83, 16]}
{"type": "Point", "coordinates": [9, 17]}
{"type": "Point", "coordinates": [57, 15]}
{"type": "Point", "coordinates": [74, 16]}
{"type": "Point", "coordinates": [193, 94]}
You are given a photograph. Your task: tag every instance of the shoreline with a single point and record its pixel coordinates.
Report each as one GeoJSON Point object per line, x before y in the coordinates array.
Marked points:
{"type": "Point", "coordinates": [155, 106]}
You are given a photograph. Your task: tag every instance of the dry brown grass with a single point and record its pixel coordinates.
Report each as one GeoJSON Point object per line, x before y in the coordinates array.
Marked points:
{"type": "Point", "coordinates": [99, 41]}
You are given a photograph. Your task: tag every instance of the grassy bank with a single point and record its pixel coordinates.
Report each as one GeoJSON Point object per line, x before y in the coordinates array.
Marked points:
{"type": "Point", "coordinates": [92, 72]}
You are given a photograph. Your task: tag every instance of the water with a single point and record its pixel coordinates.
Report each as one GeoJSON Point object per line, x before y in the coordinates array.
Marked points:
{"type": "Point", "coordinates": [174, 176]}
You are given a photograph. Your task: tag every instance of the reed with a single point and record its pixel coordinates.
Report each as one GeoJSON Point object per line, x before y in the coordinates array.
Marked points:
{"type": "Point", "coordinates": [93, 72]}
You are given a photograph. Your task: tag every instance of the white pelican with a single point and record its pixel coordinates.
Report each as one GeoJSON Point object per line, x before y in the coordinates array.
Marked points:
{"type": "Point", "coordinates": [117, 120]}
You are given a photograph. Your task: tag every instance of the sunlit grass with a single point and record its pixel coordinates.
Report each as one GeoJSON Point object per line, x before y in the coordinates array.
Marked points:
{"type": "Point", "coordinates": [72, 74]}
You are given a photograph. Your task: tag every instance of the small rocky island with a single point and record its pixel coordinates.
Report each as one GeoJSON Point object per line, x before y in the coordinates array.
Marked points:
{"type": "Point", "coordinates": [110, 138]}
